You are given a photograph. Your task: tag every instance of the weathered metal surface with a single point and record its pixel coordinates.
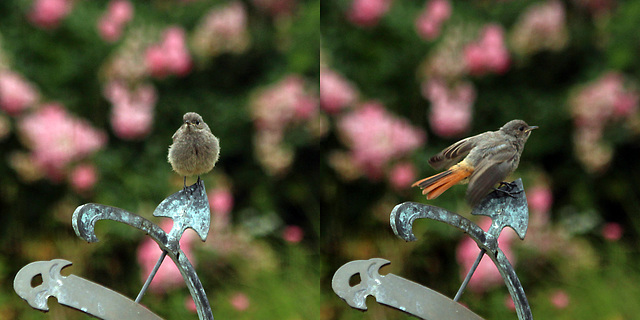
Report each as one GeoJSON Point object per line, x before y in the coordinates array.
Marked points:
{"type": "Point", "coordinates": [507, 207]}
{"type": "Point", "coordinates": [75, 292]}
{"type": "Point", "coordinates": [189, 208]}
{"type": "Point", "coordinates": [394, 291]}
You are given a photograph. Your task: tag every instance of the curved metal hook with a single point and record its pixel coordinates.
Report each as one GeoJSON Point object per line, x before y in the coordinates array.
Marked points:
{"type": "Point", "coordinates": [84, 220]}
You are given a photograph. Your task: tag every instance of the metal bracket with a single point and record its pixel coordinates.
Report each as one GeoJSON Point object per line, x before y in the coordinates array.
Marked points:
{"type": "Point", "coordinates": [189, 208]}
{"type": "Point", "coordinates": [506, 206]}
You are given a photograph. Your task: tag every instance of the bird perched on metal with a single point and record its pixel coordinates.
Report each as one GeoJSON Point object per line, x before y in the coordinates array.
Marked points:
{"type": "Point", "coordinates": [482, 161]}
{"type": "Point", "coordinates": [195, 150]}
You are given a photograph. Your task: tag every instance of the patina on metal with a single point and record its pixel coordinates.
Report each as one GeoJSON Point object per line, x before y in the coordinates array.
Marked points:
{"type": "Point", "coordinates": [75, 292]}
{"type": "Point", "coordinates": [189, 208]}
{"type": "Point", "coordinates": [507, 207]}
{"type": "Point", "coordinates": [394, 291]}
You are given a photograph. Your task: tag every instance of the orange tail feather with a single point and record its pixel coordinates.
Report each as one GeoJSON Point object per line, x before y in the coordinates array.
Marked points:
{"type": "Point", "coordinates": [435, 185]}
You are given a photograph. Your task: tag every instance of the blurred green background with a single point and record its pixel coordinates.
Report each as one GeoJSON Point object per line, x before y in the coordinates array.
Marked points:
{"type": "Point", "coordinates": [229, 61]}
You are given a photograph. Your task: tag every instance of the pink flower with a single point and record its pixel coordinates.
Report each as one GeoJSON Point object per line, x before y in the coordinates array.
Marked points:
{"type": "Point", "coordinates": [109, 30]}
{"type": "Point", "coordinates": [450, 113]}
{"type": "Point", "coordinates": [240, 301]}
{"type": "Point", "coordinates": [508, 302]}
{"type": "Point", "coordinates": [595, 105]}
{"type": "Point", "coordinates": [612, 231]}
{"type": "Point", "coordinates": [540, 198]}
{"type": "Point", "coordinates": [47, 14]}
{"type": "Point", "coordinates": [190, 305]}
{"type": "Point", "coordinates": [16, 94]}
{"type": "Point", "coordinates": [402, 175]}
{"type": "Point", "coordinates": [367, 13]}
{"type": "Point", "coordinates": [429, 22]}
{"type": "Point", "coordinates": [560, 299]}
{"type": "Point", "coordinates": [118, 14]}
{"type": "Point", "coordinates": [540, 27]}
{"type": "Point", "coordinates": [57, 138]}
{"type": "Point", "coordinates": [283, 103]}
{"type": "Point", "coordinates": [376, 137]}
{"type": "Point", "coordinates": [336, 92]}
{"type": "Point", "coordinates": [132, 112]}
{"type": "Point", "coordinates": [222, 30]}
{"type": "Point", "coordinates": [486, 275]}
{"type": "Point", "coordinates": [168, 275]}
{"type": "Point", "coordinates": [170, 56]}
{"type": "Point", "coordinates": [221, 204]}
{"type": "Point", "coordinates": [83, 177]}
{"type": "Point", "coordinates": [489, 54]}
{"type": "Point", "coordinates": [220, 200]}
{"type": "Point", "coordinates": [293, 234]}
{"type": "Point", "coordinates": [120, 11]}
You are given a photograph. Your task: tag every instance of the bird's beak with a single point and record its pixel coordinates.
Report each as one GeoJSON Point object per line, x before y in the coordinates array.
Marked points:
{"type": "Point", "coordinates": [531, 128]}
{"type": "Point", "coordinates": [188, 123]}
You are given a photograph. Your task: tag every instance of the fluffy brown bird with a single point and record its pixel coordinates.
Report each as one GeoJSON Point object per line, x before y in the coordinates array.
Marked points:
{"type": "Point", "coordinates": [195, 150]}
{"type": "Point", "coordinates": [487, 159]}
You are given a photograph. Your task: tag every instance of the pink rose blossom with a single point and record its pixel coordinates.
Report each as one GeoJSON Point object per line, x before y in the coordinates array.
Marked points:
{"type": "Point", "coordinates": [612, 231]}
{"type": "Point", "coordinates": [594, 106]}
{"type": "Point", "coordinates": [170, 56]}
{"type": "Point", "coordinates": [221, 204]}
{"type": "Point", "coordinates": [376, 137]}
{"type": "Point", "coordinates": [560, 299]}
{"type": "Point", "coordinates": [220, 200]}
{"type": "Point", "coordinates": [168, 276]}
{"type": "Point", "coordinates": [286, 102]}
{"type": "Point", "coordinates": [336, 92]}
{"type": "Point", "coordinates": [83, 177]}
{"type": "Point", "coordinates": [118, 14]}
{"type": "Point", "coordinates": [240, 301]}
{"type": "Point", "coordinates": [56, 138]}
{"type": "Point", "coordinates": [450, 113]}
{"type": "Point", "coordinates": [16, 94]}
{"type": "Point", "coordinates": [293, 234]}
{"type": "Point", "coordinates": [540, 198]}
{"type": "Point", "coordinates": [486, 275]}
{"type": "Point", "coordinates": [367, 13]}
{"type": "Point", "coordinates": [109, 30]}
{"type": "Point", "coordinates": [402, 175]}
{"type": "Point", "coordinates": [190, 305]}
{"type": "Point", "coordinates": [47, 14]}
{"type": "Point", "coordinates": [120, 11]}
{"type": "Point", "coordinates": [132, 112]}
{"type": "Point", "coordinates": [489, 53]}
{"type": "Point", "coordinates": [542, 26]}
{"type": "Point", "coordinates": [222, 30]}
{"type": "Point", "coordinates": [508, 302]}
{"type": "Point", "coordinates": [430, 21]}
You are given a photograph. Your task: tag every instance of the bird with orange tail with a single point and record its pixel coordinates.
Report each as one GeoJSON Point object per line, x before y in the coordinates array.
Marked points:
{"type": "Point", "coordinates": [482, 161]}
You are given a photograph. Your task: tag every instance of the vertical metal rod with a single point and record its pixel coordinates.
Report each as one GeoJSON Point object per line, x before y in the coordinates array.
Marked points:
{"type": "Point", "coordinates": [151, 275]}
{"type": "Point", "coordinates": [469, 274]}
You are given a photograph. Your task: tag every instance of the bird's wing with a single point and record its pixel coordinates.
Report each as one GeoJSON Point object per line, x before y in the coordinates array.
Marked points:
{"type": "Point", "coordinates": [453, 153]}
{"type": "Point", "coordinates": [494, 168]}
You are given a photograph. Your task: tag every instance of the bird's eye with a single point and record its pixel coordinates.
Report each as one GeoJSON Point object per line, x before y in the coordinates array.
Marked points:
{"type": "Point", "coordinates": [521, 128]}
{"type": "Point", "coordinates": [197, 122]}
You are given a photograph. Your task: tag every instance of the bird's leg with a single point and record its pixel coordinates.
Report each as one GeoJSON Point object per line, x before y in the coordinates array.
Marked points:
{"type": "Point", "coordinates": [507, 191]}
{"type": "Point", "coordinates": [184, 183]}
